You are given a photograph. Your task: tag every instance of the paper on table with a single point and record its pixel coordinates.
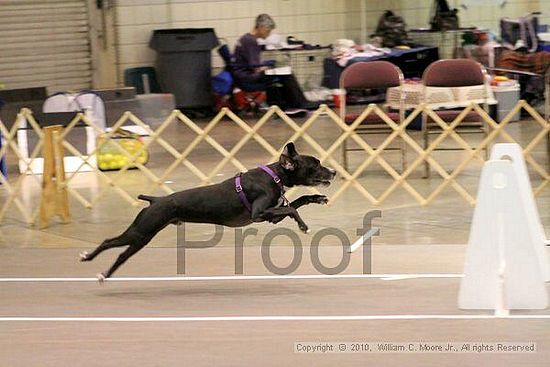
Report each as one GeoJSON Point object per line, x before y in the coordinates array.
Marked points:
{"type": "Point", "coordinates": [285, 70]}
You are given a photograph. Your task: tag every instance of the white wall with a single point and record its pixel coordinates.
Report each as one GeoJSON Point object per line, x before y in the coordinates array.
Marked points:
{"type": "Point", "coordinates": [134, 22]}
{"type": "Point", "coordinates": [315, 21]}
{"type": "Point", "coordinates": [483, 14]}
{"type": "Point", "coordinates": [544, 7]}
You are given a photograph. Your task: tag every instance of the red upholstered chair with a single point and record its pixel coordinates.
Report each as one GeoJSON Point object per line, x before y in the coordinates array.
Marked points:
{"type": "Point", "coordinates": [453, 73]}
{"type": "Point", "coordinates": [365, 76]}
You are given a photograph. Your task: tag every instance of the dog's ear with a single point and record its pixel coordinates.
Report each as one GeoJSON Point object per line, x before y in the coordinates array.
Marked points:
{"type": "Point", "coordinates": [286, 162]}
{"type": "Point", "coordinates": [290, 150]}
{"type": "Point", "coordinates": [286, 159]}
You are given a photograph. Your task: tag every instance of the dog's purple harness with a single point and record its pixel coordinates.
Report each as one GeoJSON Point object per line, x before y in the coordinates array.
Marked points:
{"type": "Point", "coordinates": [242, 195]}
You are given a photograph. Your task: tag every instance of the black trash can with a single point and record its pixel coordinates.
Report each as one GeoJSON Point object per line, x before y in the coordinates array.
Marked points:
{"type": "Point", "coordinates": [184, 66]}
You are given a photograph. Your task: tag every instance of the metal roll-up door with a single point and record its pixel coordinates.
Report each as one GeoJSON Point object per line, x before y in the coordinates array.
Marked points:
{"type": "Point", "coordinates": [45, 43]}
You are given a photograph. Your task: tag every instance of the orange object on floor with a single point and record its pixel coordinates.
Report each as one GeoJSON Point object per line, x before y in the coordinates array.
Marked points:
{"type": "Point", "coordinates": [248, 101]}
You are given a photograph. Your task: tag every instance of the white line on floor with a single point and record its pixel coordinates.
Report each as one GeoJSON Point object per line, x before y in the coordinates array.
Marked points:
{"type": "Point", "coordinates": [271, 318]}
{"type": "Point", "coordinates": [234, 277]}
{"type": "Point", "coordinates": [363, 238]}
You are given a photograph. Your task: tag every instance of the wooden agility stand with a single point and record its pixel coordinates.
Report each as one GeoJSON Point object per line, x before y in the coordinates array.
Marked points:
{"type": "Point", "coordinates": [55, 198]}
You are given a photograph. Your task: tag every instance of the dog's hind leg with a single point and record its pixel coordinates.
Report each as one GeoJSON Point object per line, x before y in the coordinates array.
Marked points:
{"type": "Point", "coordinates": [147, 224]}
{"type": "Point", "coordinates": [118, 241]}
{"type": "Point", "coordinates": [150, 220]}
{"type": "Point", "coordinates": [137, 244]}
{"type": "Point", "coordinates": [105, 245]}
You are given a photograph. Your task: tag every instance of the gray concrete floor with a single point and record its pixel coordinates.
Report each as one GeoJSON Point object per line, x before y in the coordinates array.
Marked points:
{"type": "Point", "coordinates": [413, 239]}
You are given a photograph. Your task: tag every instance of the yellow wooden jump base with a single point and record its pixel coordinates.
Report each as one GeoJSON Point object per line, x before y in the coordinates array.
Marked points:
{"type": "Point", "coordinates": [54, 201]}
{"type": "Point", "coordinates": [496, 131]}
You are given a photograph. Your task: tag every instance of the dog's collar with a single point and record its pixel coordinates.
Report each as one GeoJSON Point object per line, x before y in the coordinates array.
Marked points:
{"type": "Point", "coordinates": [273, 175]}
{"type": "Point", "coordinates": [269, 171]}
{"type": "Point", "coordinates": [277, 180]}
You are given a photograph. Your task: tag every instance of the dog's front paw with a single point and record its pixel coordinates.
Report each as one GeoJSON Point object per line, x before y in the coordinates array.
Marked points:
{"type": "Point", "coordinates": [101, 278]}
{"type": "Point", "coordinates": [319, 199]}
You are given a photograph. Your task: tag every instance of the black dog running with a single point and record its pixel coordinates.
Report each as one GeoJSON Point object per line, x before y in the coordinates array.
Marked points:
{"type": "Point", "coordinates": [254, 196]}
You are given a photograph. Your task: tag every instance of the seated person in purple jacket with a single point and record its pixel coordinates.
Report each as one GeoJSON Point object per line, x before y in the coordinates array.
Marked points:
{"type": "Point", "coordinates": [282, 90]}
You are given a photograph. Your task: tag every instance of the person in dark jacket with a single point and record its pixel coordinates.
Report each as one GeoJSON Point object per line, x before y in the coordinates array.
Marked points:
{"type": "Point", "coordinates": [249, 73]}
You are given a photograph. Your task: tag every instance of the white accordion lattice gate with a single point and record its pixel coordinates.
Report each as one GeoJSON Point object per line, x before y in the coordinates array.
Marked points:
{"type": "Point", "coordinates": [298, 131]}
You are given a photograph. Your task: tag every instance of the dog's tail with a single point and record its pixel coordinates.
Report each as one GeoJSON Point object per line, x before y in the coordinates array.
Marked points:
{"type": "Point", "coordinates": [148, 198]}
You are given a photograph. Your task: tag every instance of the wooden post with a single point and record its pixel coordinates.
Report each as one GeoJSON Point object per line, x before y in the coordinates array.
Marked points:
{"type": "Point", "coordinates": [55, 198]}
